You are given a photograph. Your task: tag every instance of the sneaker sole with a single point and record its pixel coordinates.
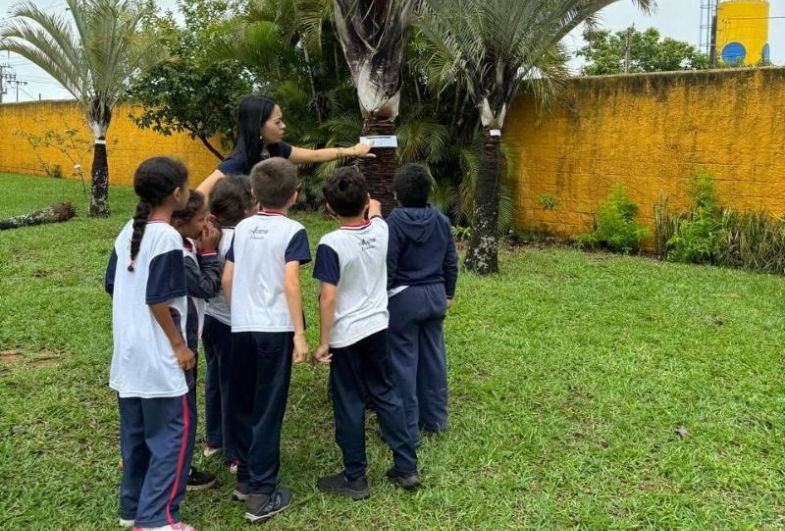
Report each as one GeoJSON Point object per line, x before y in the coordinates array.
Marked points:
{"type": "Point", "coordinates": [255, 519]}
{"type": "Point", "coordinates": [194, 488]}
{"type": "Point", "coordinates": [239, 496]}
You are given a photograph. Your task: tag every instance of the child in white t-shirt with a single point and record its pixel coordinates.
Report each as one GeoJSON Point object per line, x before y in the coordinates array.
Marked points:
{"type": "Point", "coordinates": [230, 201]}
{"type": "Point", "coordinates": [351, 266]}
{"type": "Point", "coordinates": [151, 357]}
{"type": "Point", "coordinates": [261, 284]}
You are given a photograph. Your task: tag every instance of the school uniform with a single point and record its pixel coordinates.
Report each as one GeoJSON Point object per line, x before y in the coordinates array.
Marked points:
{"type": "Point", "coordinates": [152, 389]}
{"type": "Point", "coordinates": [353, 258]}
{"type": "Point", "coordinates": [422, 271]}
{"type": "Point", "coordinates": [262, 343]}
{"type": "Point", "coordinates": [217, 340]}
{"type": "Point", "coordinates": [203, 280]}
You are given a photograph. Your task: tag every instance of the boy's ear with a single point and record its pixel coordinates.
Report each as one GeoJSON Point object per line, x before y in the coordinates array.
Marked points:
{"type": "Point", "coordinates": [368, 199]}
{"type": "Point", "coordinates": [330, 209]}
{"type": "Point", "coordinates": [293, 200]}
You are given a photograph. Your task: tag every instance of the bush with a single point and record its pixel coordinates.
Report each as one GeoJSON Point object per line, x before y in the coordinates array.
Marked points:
{"type": "Point", "coordinates": [616, 225]}
{"type": "Point", "coordinates": [697, 232]}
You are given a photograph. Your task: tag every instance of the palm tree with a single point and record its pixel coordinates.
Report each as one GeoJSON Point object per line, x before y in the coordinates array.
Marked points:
{"type": "Point", "coordinates": [495, 47]}
{"type": "Point", "coordinates": [374, 35]}
{"type": "Point", "coordinates": [93, 56]}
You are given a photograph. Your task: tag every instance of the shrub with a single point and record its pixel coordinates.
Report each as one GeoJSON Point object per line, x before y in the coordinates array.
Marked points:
{"type": "Point", "coordinates": [696, 232]}
{"type": "Point", "coordinates": [616, 226]}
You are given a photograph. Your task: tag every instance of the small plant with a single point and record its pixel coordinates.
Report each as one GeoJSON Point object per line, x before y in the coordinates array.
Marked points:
{"type": "Point", "coordinates": [461, 233]}
{"type": "Point", "coordinates": [68, 142]}
{"type": "Point", "coordinates": [615, 225]}
{"type": "Point", "coordinates": [548, 201]}
{"type": "Point", "coordinates": [696, 232]}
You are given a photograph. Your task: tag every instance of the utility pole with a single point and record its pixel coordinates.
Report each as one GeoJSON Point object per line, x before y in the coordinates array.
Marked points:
{"type": "Point", "coordinates": [17, 83]}
{"type": "Point", "coordinates": [627, 46]}
{"type": "Point", "coordinates": [6, 74]}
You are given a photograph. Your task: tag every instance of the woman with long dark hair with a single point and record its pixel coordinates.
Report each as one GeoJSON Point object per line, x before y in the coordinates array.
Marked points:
{"type": "Point", "coordinates": [260, 130]}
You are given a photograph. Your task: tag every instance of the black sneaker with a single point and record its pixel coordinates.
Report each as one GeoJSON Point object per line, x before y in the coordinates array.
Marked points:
{"type": "Point", "coordinates": [199, 480]}
{"type": "Point", "coordinates": [241, 491]}
{"type": "Point", "coordinates": [260, 507]}
{"type": "Point", "coordinates": [338, 484]}
{"type": "Point", "coordinates": [408, 482]}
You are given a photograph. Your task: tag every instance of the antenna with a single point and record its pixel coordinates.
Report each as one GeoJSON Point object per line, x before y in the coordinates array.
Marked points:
{"type": "Point", "coordinates": [707, 29]}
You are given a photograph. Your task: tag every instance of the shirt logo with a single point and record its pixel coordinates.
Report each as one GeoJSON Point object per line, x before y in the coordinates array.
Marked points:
{"type": "Point", "coordinates": [367, 244]}
{"type": "Point", "coordinates": [258, 233]}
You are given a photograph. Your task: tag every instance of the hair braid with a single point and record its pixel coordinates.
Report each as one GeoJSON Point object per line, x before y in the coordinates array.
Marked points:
{"type": "Point", "coordinates": [143, 210]}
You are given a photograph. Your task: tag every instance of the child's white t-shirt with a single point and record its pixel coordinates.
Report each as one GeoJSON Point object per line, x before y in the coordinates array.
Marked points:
{"type": "Point", "coordinates": [355, 260]}
{"type": "Point", "coordinates": [143, 363]}
{"type": "Point", "coordinates": [262, 246]}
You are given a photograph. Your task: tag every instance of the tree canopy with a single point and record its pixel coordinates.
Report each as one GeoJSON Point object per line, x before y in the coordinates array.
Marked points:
{"type": "Point", "coordinates": [607, 52]}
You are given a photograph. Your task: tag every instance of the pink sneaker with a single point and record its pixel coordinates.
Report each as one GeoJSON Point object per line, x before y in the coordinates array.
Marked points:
{"type": "Point", "coordinates": [233, 466]}
{"type": "Point", "coordinates": [173, 527]}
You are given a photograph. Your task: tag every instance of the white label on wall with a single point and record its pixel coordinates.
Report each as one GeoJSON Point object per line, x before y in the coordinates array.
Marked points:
{"type": "Point", "coordinates": [496, 132]}
{"type": "Point", "coordinates": [380, 141]}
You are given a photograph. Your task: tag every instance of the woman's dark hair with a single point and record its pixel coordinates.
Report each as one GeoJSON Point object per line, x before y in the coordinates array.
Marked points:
{"type": "Point", "coordinates": [253, 112]}
{"type": "Point", "coordinates": [230, 198]}
{"type": "Point", "coordinates": [346, 191]}
{"type": "Point", "coordinates": [155, 180]}
{"type": "Point", "coordinates": [195, 202]}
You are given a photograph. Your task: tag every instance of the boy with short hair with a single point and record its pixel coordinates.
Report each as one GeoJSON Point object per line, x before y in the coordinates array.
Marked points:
{"type": "Point", "coordinates": [422, 270]}
{"type": "Point", "coordinates": [351, 267]}
{"type": "Point", "coordinates": [262, 288]}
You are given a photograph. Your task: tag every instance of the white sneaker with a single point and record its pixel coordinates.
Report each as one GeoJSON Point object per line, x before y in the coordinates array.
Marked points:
{"type": "Point", "coordinates": [210, 451]}
{"type": "Point", "coordinates": [126, 523]}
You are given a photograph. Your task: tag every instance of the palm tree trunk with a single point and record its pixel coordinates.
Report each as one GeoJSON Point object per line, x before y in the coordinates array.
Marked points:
{"type": "Point", "coordinates": [99, 186]}
{"type": "Point", "coordinates": [379, 171]}
{"type": "Point", "coordinates": [51, 214]}
{"type": "Point", "coordinates": [482, 256]}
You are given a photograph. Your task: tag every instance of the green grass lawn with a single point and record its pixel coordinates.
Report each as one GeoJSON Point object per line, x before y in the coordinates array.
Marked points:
{"type": "Point", "coordinates": [570, 374]}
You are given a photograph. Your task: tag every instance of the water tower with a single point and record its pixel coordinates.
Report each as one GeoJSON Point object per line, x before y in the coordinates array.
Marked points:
{"type": "Point", "coordinates": [742, 32]}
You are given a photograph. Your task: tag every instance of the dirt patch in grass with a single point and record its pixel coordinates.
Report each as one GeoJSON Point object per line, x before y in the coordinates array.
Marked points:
{"type": "Point", "coordinates": [43, 358]}
{"type": "Point", "coordinates": [8, 357]}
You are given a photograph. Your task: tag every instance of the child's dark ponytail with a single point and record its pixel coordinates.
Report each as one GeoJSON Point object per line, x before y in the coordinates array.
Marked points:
{"type": "Point", "coordinates": [143, 210]}
{"type": "Point", "coordinates": [155, 180]}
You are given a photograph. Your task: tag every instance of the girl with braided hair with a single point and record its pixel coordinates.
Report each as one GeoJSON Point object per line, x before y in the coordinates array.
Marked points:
{"type": "Point", "coordinates": [152, 365]}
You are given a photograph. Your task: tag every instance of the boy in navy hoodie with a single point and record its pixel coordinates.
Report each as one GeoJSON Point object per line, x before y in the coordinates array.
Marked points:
{"type": "Point", "coordinates": [422, 270]}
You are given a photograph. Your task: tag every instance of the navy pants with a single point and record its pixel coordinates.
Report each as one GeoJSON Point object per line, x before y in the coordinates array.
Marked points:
{"type": "Point", "coordinates": [156, 443]}
{"type": "Point", "coordinates": [261, 368]}
{"type": "Point", "coordinates": [365, 366]}
{"type": "Point", "coordinates": [418, 355]}
{"type": "Point", "coordinates": [217, 340]}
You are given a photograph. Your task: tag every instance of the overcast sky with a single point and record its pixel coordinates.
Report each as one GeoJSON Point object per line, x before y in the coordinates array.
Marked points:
{"type": "Point", "coordinates": [679, 19]}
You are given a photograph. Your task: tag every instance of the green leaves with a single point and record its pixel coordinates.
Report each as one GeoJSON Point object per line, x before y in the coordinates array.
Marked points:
{"type": "Point", "coordinates": [606, 52]}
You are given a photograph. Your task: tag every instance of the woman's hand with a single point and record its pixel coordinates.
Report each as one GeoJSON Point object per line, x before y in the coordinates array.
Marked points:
{"type": "Point", "coordinates": [362, 150]}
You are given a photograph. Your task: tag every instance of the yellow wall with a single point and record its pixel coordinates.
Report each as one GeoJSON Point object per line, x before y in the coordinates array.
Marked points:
{"type": "Point", "coordinates": [745, 23]}
{"type": "Point", "coordinates": [648, 132]}
{"type": "Point", "coordinates": [127, 145]}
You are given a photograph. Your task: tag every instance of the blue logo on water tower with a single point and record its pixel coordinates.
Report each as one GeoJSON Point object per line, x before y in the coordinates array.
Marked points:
{"type": "Point", "coordinates": [766, 53]}
{"type": "Point", "coordinates": [734, 52]}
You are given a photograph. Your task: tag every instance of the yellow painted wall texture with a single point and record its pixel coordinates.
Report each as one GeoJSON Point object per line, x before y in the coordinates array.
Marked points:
{"type": "Point", "coordinates": [127, 145]}
{"type": "Point", "coordinates": [742, 25]}
{"type": "Point", "coordinates": [649, 132]}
